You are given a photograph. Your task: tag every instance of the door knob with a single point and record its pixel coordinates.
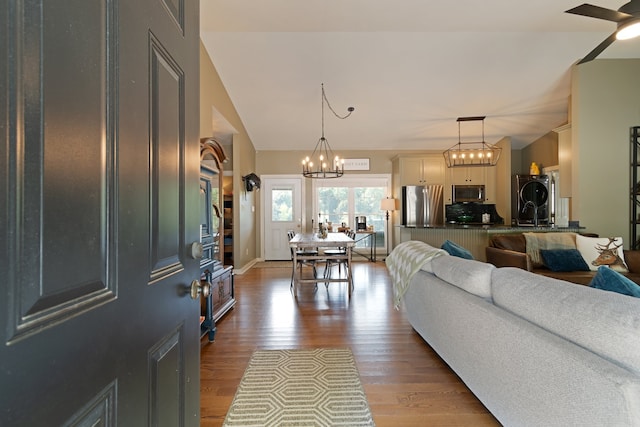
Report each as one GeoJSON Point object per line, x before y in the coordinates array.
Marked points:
{"type": "Point", "coordinates": [197, 250]}
{"type": "Point", "coordinates": [200, 287]}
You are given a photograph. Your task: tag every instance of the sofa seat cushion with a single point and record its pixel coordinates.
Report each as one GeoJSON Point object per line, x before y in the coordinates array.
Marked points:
{"type": "Point", "coordinates": [604, 322]}
{"type": "Point", "coordinates": [469, 275]}
{"type": "Point", "coordinates": [579, 277]}
{"type": "Point", "coordinates": [576, 277]}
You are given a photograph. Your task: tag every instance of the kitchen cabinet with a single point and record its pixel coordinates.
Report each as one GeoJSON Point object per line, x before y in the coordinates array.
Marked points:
{"type": "Point", "coordinates": [427, 169]}
{"type": "Point", "coordinates": [564, 159]}
{"type": "Point", "coordinates": [468, 175]}
{"type": "Point", "coordinates": [490, 185]}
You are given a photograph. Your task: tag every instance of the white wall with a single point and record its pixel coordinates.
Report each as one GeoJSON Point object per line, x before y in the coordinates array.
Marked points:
{"type": "Point", "coordinates": [605, 105]}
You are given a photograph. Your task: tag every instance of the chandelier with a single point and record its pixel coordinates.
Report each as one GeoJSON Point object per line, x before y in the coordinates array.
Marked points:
{"type": "Point", "coordinates": [477, 153]}
{"type": "Point", "coordinates": [327, 165]}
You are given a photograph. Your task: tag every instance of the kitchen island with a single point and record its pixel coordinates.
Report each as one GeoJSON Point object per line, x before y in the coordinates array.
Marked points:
{"type": "Point", "coordinates": [474, 238]}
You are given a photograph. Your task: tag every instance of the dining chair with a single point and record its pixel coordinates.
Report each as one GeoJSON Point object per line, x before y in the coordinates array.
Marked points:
{"type": "Point", "coordinates": [339, 262]}
{"type": "Point", "coordinates": [302, 252]}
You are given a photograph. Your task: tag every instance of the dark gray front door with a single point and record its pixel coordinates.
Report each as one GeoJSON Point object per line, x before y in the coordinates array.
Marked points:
{"type": "Point", "coordinates": [99, 169]}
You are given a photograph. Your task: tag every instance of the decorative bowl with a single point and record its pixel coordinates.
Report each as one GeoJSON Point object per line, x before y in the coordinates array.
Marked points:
{"type": "Point", "coordinates": [465, 218]}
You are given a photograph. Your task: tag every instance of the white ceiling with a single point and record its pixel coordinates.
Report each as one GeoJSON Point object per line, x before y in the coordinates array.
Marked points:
{"type": "Point", "coordinates": [409, 67]}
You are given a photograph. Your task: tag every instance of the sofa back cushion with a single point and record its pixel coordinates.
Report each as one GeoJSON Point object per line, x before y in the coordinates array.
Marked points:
{"type": "Point", "coordinates": [605, 323]}
{"type": "Point", "coordinates": [469, 275]}
{"type": "Point", "coordinates": [510, 242]}
{"type": "Point", "coordinates": [541, 241]}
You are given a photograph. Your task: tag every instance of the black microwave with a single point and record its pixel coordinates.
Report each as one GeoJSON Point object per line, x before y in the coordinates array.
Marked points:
{"type": "Point", "coordinates": [467, 193]}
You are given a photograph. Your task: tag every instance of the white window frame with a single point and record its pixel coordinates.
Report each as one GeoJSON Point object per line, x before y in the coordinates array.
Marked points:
{"type": "Point", "coordinates": [350, 181]}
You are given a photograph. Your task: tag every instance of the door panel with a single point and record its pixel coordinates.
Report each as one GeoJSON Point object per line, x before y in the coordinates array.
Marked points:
{"type": "Point", "coordinates": [46, 212]}
{"type": "Point", "coordinates": [283, 212]}
{"type": "Point", "coordinates": [166, 149]}
{"type": "Point", "coordinates": [98, 201]}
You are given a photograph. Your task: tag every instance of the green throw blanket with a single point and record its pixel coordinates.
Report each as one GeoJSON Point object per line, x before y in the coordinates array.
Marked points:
{"type": "Point", "coordinates": [405, 261]}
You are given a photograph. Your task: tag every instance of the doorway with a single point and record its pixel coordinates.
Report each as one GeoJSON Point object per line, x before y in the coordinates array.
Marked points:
{"type": "Point", "coordinates": [283, 211]}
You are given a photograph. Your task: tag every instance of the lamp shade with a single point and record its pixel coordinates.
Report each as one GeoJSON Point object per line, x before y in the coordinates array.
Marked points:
{"type": "Point", "coordinates": [388, 204]}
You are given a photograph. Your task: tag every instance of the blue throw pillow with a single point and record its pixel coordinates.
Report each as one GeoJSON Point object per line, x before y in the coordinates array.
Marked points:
{"type": "Point", "coordinates": [456, 250]}
{"type": "Point", "coordinates": [564, 260]}
{"type": "Point", "coordinates": [610, 280]}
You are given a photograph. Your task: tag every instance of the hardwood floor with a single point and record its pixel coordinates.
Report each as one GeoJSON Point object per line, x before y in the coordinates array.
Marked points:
{"type": "Point", "coordinates": [406, 383]}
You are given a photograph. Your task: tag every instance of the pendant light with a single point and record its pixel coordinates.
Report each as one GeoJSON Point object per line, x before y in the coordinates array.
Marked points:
{"type": "Point", "coordinates": [322, 163]}
{"type": "Point", "coordinates": [478, 153]}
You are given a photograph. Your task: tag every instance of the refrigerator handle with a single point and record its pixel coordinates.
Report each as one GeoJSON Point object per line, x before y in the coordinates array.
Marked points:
{"type": "Point", "coordinates": [425, 206]}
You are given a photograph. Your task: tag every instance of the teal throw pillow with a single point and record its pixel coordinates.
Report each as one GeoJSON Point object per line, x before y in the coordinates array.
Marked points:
{"type": "Point", "coordinates": [456, 250]}
{"type": "Point", "coordinates": [564, 260]}
{"type": "Point", "coordinates": [610, 280]}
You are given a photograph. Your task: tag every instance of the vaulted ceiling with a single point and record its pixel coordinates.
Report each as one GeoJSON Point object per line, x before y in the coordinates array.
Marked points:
{"type": "Point", "coordinates": [409, 67]}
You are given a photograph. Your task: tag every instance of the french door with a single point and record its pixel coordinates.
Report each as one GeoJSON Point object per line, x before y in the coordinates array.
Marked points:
{"type": "Point", "coordinates": [343, 199]}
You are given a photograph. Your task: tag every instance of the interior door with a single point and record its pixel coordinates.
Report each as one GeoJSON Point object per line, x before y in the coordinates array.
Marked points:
{"type": "Point", "coordinates": [283, 212]}
{"type": "Point", "coordinates": [99, 204]}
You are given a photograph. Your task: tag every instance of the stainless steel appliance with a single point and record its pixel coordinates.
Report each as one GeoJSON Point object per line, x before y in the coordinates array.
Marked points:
{"type": "Point", "coordinates": [530, 200]}
{"type": "Point", "coordinates": [361, 223]}
{"type": "Point", "coordinates": [467, 193]}
{"type": "Point", "coordinates": [422, 205]}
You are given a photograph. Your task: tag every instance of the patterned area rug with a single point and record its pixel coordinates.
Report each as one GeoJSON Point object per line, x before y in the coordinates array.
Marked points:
{"type": "Point", "coordinates": [318, 387]}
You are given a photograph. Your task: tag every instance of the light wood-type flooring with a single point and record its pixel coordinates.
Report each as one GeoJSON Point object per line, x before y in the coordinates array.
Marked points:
{"type": "Point", "coordinates": [406, 383]}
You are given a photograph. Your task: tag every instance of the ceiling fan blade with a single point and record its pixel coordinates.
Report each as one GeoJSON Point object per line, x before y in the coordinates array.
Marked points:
{"type": "Point", "coordinates": [599, 49]}
{"type": "Point", "coordinates": [599, 12]}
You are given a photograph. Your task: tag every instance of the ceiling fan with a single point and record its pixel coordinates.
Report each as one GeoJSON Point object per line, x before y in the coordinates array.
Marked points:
{"type": "Point", "coordinates": [627, 17]}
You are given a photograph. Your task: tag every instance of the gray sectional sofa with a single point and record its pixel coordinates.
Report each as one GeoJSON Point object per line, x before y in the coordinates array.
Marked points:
{"type": "Point", "coordinates": [536, 351]}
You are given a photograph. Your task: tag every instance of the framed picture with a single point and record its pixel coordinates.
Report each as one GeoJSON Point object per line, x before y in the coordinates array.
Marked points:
{"type": "Point", "coordinates": [356, 164]}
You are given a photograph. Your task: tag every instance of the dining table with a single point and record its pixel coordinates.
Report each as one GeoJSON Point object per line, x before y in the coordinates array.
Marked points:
{"type": "Point", "coordinates": [316, 241]}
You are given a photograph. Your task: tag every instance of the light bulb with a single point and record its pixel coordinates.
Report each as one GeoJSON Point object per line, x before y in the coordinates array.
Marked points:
{"type": "Point", "coordinates": [629, 31]}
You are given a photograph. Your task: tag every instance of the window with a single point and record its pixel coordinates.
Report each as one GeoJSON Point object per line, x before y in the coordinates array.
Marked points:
{"type": "Point", "coordinates": [341, 200]}
{"type": "Point", "coordinates": [333, 204]}
{"type": "Point", "coordinates": [282, 205]}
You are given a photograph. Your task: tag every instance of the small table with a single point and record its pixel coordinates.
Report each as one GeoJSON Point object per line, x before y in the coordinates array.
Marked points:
{"type": "Point", "coordinates": [311, 240]}
{"type": "Point", "coordinates": [371, 237]}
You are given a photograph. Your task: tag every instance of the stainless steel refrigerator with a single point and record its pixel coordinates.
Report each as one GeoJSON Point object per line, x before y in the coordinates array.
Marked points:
{"type": "Point", "coordinates": [422, 205]}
